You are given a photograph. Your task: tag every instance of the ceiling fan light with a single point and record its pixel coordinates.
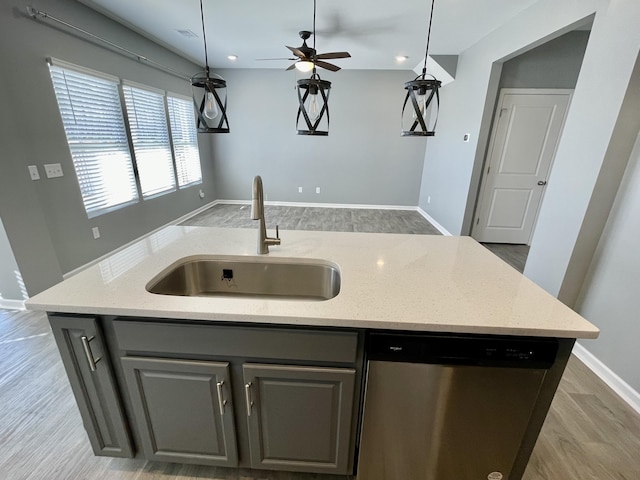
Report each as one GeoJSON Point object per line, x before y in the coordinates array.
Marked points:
{"type": "Point", "coordinates": [304, 66]}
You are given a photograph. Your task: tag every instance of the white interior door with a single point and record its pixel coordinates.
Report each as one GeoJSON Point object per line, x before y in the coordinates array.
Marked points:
{"type": "Point", "coordinates": [526, 130]}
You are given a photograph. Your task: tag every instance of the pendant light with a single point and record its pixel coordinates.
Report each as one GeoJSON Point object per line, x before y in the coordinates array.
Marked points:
{"type": "Point", "coordinates": [417, 106]}
{"type": "Point", "coordinates": [209, 95]}
{"type": "Point", "coordinates": [313, 98]}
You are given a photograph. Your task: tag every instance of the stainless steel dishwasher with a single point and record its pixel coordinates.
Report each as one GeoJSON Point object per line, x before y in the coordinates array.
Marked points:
{"type": "Point", "coordinates": [446, 407]}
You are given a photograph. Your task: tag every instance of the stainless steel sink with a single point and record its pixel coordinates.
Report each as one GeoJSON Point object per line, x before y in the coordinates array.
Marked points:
{"type": "Point", "coordinates": [273, 278]}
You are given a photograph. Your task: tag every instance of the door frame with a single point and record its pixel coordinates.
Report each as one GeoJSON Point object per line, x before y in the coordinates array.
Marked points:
{"type": "Point", "coordinates": [491, 145]}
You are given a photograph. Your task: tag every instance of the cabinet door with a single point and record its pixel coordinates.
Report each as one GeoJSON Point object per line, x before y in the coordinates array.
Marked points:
{"type": "Point", "coordinates": [299, 418]}
{"type": "Point", "coordinates": [183, 410]}
{"type": "Point", "coordinates": [87, 364]}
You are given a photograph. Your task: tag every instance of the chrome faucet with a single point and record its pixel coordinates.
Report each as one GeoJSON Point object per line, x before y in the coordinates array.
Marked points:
{"type": "Point", "coordinates": [257, 213]}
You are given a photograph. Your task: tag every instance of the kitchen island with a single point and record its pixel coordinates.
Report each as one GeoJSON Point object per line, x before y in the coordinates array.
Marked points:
{"type": "Point", "coordinates": [203, 379]}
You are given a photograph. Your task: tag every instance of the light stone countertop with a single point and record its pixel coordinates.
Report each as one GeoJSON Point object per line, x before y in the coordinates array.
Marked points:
{"type": "Point", "coordinates": [389, 281]}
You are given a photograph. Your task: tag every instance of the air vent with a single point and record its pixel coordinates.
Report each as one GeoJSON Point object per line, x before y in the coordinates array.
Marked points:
{"type": "Point", "coordinates": [187, 33]}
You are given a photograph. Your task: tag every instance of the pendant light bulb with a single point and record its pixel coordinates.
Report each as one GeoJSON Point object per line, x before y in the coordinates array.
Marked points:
{"type": "Point", "coordinates": [421, 98]}
{"type": "Point", "coordinates": [314, 109]}
{"type": "Point", "coordinates": [210, 108]}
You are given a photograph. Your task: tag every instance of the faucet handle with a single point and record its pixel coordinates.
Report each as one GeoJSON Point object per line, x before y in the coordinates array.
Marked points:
{"type": "Point", "coordinates": [277, 232]}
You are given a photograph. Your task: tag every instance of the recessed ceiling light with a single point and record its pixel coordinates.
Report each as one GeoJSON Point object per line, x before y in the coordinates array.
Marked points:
{"type": "Point", "coordinates": [401, 58]}
{"type": "Point", "coordinates": [232, 57]}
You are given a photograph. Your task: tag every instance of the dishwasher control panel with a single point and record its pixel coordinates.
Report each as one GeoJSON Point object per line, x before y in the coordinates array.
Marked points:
{"type": "Point", "coordinates": [482, 350]}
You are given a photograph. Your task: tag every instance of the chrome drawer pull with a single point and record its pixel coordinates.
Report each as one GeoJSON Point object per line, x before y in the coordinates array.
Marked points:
{"type": "Point", "coordinates": [247, 392]}
{"type": "Point", "coordinates": [221, 401]}
{"type": "Point", "coordinates": [87, 351]}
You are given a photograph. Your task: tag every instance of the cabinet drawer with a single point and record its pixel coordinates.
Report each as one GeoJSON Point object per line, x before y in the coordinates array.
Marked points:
{"type": "Point", "coordinates": [237, 341]}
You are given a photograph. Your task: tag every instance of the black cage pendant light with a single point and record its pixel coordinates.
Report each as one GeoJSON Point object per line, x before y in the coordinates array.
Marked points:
{"type": "Point", "coordinates": [313, 98]}
{"type": "Point", "coordinates": [209, 95]}
{"type": "Point", "coordinates": [418, 120]}
{"type": "Point", "coordinates": [313, 110]}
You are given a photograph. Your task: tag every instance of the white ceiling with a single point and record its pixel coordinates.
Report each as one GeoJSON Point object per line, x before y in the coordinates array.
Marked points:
{"type": "Point", "coordinates": [373, 31]}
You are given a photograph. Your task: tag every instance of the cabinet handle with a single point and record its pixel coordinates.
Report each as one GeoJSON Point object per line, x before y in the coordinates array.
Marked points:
{"type": "Point", "coordinates": [221, 401]}
{"type": "Point", "coordinates": [87, 351]}
{"type": "Point", "coordinates": [247, 393]}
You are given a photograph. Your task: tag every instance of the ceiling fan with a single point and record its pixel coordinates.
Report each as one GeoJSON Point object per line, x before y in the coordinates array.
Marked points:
{"type": "Point", "coordinates": [307, 58]}
{"type": "Point", "coordinates": [308, 54]}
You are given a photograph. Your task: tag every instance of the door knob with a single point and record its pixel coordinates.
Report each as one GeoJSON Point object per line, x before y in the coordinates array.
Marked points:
{"type": "Point", "coordinates": [542, 182]}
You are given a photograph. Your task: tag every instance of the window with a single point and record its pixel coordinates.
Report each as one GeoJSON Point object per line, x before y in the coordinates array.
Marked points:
{"type": "Point", "coordinates": [185, 140]}
{"type": "Point", "coordinates": [150, 138]}
{"type": "Point", "coordinates": [97, 138]}
{"type": "Point", "coordinates": [101, 148]}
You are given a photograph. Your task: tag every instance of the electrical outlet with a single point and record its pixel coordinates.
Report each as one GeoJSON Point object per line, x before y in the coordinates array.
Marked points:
{"type": "Point", "coordinates": [429, 199]}
{"type": "Point", "coordinates": [53, 170]}
{"type": "Point", "coordinates": [33, 172]}
{"type": "Point", "coordinates": [299, 189]}
{"type": "Point", "coordinates": [317, 189]}
{"type": "Point", "coordinates": [96, 233]}
{"type": "Point", "coordinates": [201, 193]}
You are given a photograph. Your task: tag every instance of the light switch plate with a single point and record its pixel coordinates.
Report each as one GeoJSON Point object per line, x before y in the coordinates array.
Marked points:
{"type": "Point", "coordinates": [33, 172]}
{"type": "Point", "coordinates": [53, 170]}
{"type": "Point", "coordinates": [96, 232]}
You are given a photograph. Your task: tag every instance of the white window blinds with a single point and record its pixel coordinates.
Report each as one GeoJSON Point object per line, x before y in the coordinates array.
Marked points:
{"type": "Point", "coordinates": [93, 122]}
{"type": "Point", "coordinates": [150, 137]}
{"type": "Point", "coordinates": [185, 140]}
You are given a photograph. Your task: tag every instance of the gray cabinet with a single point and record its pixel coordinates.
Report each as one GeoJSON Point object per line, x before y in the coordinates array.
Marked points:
{"type": "Point", "coordinates": [264, 397]}
{"type": "Point", "coordinates": [299, 417]}
{"type": "Point", "coordinates": [87, 364]}
{"type": "Point", "coordinates": [182, 409]}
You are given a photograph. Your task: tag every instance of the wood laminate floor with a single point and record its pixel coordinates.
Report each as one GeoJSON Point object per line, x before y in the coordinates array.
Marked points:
{"type": "Point", "coordinates": [514, 255]}
{"type": "Point", "coordinates": [589, 434]}
{"type": "Point", "coordinates": [341, 220]}
{"type": "Point", "coordinates": [316, 219]}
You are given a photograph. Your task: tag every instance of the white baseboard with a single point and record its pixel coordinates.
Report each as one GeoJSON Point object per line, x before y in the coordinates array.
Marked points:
{"type": "Point", "coordinates": [186, 216]}
{"type": "Point", "coordinates": [618, 385]}
{"type": "Point", "coordinates": [319, 205]}
{"type": "Point", "coordinates": [12, 304]}
{"type": "Point", "coordinates": [439, 227]}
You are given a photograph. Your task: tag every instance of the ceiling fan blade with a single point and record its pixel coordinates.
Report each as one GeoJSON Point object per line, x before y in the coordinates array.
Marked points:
{"type": "Point", "coordinates": [328, 66]}
{"type": "Point", "coordinates": [292, 66]}
{"type": "Point", "coordinates": [334, 55]}
{"type": "Point", "coordinates": [296, 51]}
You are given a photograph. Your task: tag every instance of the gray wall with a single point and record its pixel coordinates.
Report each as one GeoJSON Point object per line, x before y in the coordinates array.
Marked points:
{"type": "Point", "coordinates": [362, 161]}
{"type": "Point", "coordinates": [610, 294]}
{"type": "Point", "coordinates": [45, 220]}
{"type": "Point", "coordinates": [9, 286]}
{"type": "Point", "coordinates": [555, 64]}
